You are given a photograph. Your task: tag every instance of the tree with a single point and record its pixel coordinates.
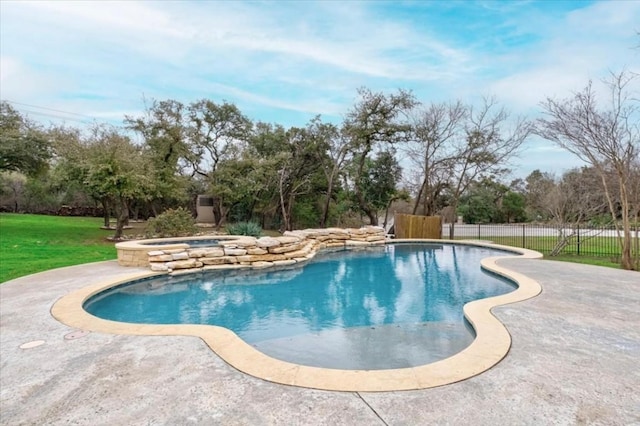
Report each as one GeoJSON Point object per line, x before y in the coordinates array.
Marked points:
{"type": "Point", "coordinates": [434, 130]}
{"type": "Point", "coordinates": [238, 183]}
{"type": "Point", "coordinates": [23, 145]}
{"type": "Point", "coordinates": [606, 138]}
{"type": "Point", "coordinates": [165, 131]}
{"type": "Point", "coordinates": [537, 186]}
{"type": "Point", "coordinates": [376, 119]}
{"type": "Point", "coordinates": [12, 185]}
{"type": "Point", "coordinates": [571, 201]}
{"type": "Point", "coordinates": [296, 166]}
{"type": "Point", "coordinates": [71, 165]}
{"type": "Point", "coordinates": [485, 148]}
{"type": "Point", "coordinates": [213, 131]}
{"type": "Point", "coordinates": [513, 207]}
{"type": "Point", "coordinates": [292, 159]}
{"type": "Point", "coordinates": [380, 180]}
{"type": "Point", "coordinates": [118, 171]}
{"type": "Point", "coordinates": [332, 151]}
{"type": "Point", "coordinates": [482, 202]}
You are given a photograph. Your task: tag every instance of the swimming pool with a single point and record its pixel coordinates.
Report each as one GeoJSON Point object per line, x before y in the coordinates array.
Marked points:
{"type": "Point", "coordinates": [393, 306]}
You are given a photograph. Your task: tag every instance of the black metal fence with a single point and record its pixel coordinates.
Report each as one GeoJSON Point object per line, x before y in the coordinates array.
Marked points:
{"type": "Point", "coordinates": [575, 240]}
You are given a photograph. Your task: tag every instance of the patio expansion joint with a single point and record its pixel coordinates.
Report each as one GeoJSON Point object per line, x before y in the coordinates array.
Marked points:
{"type": "Point", "coordinates": [372, 409]}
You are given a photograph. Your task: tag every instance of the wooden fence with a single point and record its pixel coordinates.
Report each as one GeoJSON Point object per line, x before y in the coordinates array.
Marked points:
{"type": "Point", "coordinates": [410, 226]}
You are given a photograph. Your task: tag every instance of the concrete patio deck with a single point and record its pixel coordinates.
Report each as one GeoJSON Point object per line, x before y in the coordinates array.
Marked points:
{"type": "Point", "coordinates": [574, 360]}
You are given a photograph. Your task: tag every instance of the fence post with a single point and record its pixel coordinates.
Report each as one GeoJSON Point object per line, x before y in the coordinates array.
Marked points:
{"type": "Point", "coordinates": [478, 231]}
{"type": "Point", "coordinates": [523, 236]}
{"type": "Point", "coordinates": [578, 231]}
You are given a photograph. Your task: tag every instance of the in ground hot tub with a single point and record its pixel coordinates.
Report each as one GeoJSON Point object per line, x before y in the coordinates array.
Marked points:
{"type": "Point", "coordinates": [136, 253]}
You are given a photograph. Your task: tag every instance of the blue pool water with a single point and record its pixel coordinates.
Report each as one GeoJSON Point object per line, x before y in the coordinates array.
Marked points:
{"type": "Point", "coordinates": [392, 306]}
{"type": "Point", "coordinates": [192, 243]}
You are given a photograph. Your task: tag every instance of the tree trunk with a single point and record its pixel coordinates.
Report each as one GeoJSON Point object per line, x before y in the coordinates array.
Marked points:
{"type": "Point", "coordinates": [364, 206]}
{"type": "Point", "coordinates": [154, 209]}
{"type": "Point", "coordinates": [327, 204]}
{"type": "Point", "coordinates": [417, 203]}
{"type": "Point", "coordinates": [217, 211]}
{"type": "Point", "coordinates": [563, 241]}
{"type": "Point", "coordinates": [136, 212]}
{"type": "Point", "coordinates": [283, 208]}
{"type": "Point", "coordinates": [105, 212]}
{"type": "Point", "coordinates": [386, 215]}
{"type": "Point", "coordinates": [627, 260]}
{"type": "Point", "coordinates": [453, 222]}
{"type": "Point", "coordinates": [122, 218]}
{"type": "Point", "coordinates": [289, 208]}
{"type": "Point", "coordinates": [373, 216]}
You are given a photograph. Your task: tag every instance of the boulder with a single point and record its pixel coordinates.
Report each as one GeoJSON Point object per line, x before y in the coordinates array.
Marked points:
{"type": "Point", "coordinates": [161, 258]}
{"type": "Point", "coordinates": [261, 264]}
{"type": "Point", "coordinates": [285, 262]}
{"type": "Point", "coordinates": [181, 264]}
{"type": "Point", "coordinates": [286, 248]}
{"type": "Point", "coordinates": [288, 239]}
{"type": "Point", "coordinates": [214, 252]}
{"type": "Point", "coordinates": [159, 267]}
{"type": "Point", "coordinates": [235, 252]}
{"type": "Point", "coordinates": [197, 253]}
{"type": "Point", "coordinates": [267, 242]}
{"type": "Point", "coordinates": [256, 250]}
{"type": "Point", "coordinates": [180, 256]}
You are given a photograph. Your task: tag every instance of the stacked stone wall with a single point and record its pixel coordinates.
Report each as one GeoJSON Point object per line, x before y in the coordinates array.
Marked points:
{"type": "Point", "coordinates": [249, 252]}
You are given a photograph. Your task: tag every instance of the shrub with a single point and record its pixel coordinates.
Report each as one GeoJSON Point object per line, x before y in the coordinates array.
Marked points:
{"type": "Point", "coordinates": [172, 223]}
{"type": "Point", "coordinates": [601, 221]}
{"type": "Point", "coordinates": [250, 229]}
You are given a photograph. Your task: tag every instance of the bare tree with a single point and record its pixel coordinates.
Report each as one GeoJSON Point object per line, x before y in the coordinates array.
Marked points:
{"type": "Point", "coordinates": [455, 145]}
{"type": "Point", "coordinates": [571, 201]}
{"type": "Point", "coordinates": [486, 146]}
{"type": "Point", "coordinates": [607, 139]}
{"type": "Point", "coordinates": [431, 152]}
{"type": "Point", "coordinates": [635, 202]}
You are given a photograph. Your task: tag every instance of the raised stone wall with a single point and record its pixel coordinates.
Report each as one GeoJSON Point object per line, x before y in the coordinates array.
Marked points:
{"type": "Point", "coordinates": [248, 252]}
{"type": "Point", "coordinates": [131, 253]}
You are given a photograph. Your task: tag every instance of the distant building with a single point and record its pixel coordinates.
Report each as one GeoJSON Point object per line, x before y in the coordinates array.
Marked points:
{"type": "Point", "coordinates": [204, 209]}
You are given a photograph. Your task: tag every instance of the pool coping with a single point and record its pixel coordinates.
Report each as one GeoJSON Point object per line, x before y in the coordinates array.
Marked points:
{"type": "Point", "coordinates": [491, 345]}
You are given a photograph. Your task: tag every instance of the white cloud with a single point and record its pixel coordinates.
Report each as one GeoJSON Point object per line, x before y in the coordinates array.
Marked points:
{"type": "Point", "coordinates": [318, 106]}
{"type": "Point", "coordinates": [586, 45]}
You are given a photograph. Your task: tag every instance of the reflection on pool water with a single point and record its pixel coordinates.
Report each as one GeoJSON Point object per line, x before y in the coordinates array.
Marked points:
{"type": "Point", "coordinates": [392, 306]}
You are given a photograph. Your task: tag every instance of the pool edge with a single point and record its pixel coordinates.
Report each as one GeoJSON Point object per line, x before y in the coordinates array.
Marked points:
{"type": "Point", "coordinates": [491, 345]}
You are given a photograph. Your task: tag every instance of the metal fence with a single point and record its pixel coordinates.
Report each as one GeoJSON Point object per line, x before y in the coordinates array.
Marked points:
{"type": "Point", "coordinates": [588, 241]}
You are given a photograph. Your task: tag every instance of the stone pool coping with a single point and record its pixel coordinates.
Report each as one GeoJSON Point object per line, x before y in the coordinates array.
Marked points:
{"type": "Point", "coordinates": [490, 346]}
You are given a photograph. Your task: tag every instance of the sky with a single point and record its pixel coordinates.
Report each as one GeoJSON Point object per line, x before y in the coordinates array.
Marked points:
{"type": "Point", "coordinates": [288, 61]}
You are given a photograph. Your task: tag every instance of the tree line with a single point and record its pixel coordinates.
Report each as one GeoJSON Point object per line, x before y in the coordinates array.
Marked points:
{"type": "Point", "coordinates": [437, 158]}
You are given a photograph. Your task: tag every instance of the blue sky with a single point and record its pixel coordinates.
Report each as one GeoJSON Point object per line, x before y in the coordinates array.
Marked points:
{"type": "Point", "coordinates": [288, 61]}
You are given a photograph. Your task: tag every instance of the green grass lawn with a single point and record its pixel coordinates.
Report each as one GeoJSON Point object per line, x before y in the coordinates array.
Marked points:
{"type": "Point", "coordinates": [35, 243]}
{"type": "Point", "coordinates": [587, 260]}
{"type": "Point", "coordinates": [599, 251]}
{"type": "Point", "coordinates": [594, 247]}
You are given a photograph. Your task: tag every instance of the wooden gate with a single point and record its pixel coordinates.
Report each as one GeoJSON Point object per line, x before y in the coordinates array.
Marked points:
{"type": "Point", "coordinates": [410, 226]}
